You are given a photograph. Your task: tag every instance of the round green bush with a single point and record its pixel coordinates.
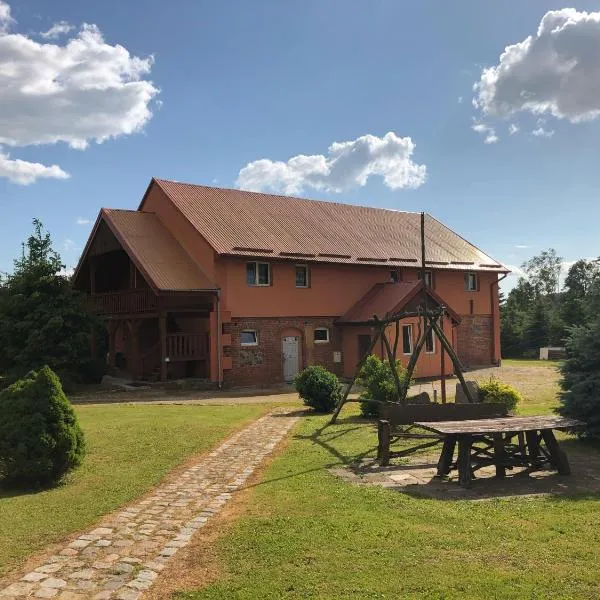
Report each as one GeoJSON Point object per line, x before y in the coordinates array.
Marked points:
{"type": "Point", "coordinates": [319, 388]}
{"type": "Point", "coordinates": [377, 378]}
{"type": "Point", "coordinates": [494, 390]}
{"type": "Point", "coordinates": [40, 438]}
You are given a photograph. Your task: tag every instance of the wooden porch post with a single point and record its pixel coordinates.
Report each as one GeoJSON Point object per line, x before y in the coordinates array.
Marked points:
{"type": "Point", "coordinates": [162, 328]}
{"type": "Point", "coordinates": [442, 364]}
{"type": "Point", "coordinates": [112, 327]}
{"type": "Point", "coordinates": [134, 326]}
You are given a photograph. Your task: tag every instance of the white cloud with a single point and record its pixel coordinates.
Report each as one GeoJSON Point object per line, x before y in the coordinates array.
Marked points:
{"type": "Point", "coordinates": [58, 29]}
{"type": "Point", "coordinates": [82, 221]}
{"type": "Point", "coordinates": [555, 71]}
{"type": "Point", "coordinates": [5, 17]}
{"type": "Point", "coordinates": [521, 246]}
{"type": "Point", "coordinates": [490, 132]}
{"type": "Point", "coordinates": [460, 99]}
{"type": "Point", "coordinates": [512, 129]}
{"type": "Point", "coordinates": [347, 165]}
{"type": "Point", "coordinates": [81, 91]}
{"type": "Point", "coordinates": [68, 245]}
{"type": "Point", "coordinates": [541, 132]}
{"type": "Point", "coordinates": [24, 173]}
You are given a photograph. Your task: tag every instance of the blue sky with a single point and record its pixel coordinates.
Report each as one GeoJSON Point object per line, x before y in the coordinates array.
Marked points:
{"type": "Point", "coordinates": [232, 82]}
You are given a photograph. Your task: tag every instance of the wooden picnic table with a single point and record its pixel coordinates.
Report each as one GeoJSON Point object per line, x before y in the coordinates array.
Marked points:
{"type": "Point", "coordinates": [483, 442]}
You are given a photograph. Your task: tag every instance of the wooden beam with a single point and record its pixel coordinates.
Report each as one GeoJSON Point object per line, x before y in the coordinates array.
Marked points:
{"type": "Point", "coordinates": [361, 362]}
{"type": "Point", "coordinates": [162, 331]}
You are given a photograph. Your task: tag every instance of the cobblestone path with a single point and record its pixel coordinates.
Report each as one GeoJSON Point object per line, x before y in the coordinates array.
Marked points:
{"type": "Point", "coordinates": [127, 551]}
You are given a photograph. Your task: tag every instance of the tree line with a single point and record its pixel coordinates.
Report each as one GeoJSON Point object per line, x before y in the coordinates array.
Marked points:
{"type": "Point", "coordinates": [541, 311]}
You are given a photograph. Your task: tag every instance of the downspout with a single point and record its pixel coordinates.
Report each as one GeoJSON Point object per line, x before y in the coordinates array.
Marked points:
{"type": "Point", "coordinates": [219, 341]}
{"type": "Point", "coordinates": [495, 359]}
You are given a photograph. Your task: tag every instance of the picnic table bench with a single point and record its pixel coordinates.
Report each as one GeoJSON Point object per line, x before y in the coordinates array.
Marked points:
{"type": "Point", "coordinates": [535, 446]}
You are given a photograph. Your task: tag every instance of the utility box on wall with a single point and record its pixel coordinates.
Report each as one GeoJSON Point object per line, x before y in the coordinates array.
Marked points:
{"type": "Point", "coordinates": [337, 357]}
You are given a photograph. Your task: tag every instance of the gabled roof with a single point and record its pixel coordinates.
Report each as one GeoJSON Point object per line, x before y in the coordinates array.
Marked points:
{"type": "Point", "coordinates": [236, 222]}
{"type": "Point", "coordinates": [386, 299]}
{"type": "Point", "coordinates": [153, 249]}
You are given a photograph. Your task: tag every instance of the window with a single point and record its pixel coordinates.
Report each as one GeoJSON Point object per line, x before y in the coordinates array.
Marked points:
{"type": "Point", "coordinates": [249, 337]}
{"type": "Point", "coordinates": [321, 335]}
{"type": "Point", "coordinates": [471, 282]}
{"type": "Point", "coordinates": [428, 278]}
{"type": "Point", "coordinates": [430, 342]}
{"type": "Point", "coordinates": [407, 343]}
{"type": "Point", "coordinates": [258, 273]}
{"type": "Point", "coordinates": [301, 276]}
{"type": "Point", "coordinates": [395, 276]}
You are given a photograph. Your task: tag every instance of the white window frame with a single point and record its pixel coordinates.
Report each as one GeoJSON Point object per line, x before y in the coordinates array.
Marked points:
{"type": "Point", "coordinates": [255, 332]}
{"type": "Point", "coordinates": [410, 337]}
{"type": "Point", "coordinates": [321, 341]}
{"type": "Point", "coordinates": [475, 277]}
{"type": "Point", "coordinates": [432, 351]}
{"type": "Point", "coordinates": [305, 267]}
{"type": "Point", "coordinates": [256, 264]}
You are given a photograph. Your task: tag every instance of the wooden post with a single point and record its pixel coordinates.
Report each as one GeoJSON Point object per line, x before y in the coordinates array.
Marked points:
{"type": "Point", "coordinates": [445, 462]}
{"type": "Point", "coordinates": [499, 455]}
{"type": "Point", "coordinates": [162, 331]}
{"type": "Point", "coordinates": [383, 446]}
{"type": "Point", "coordinates": [533, 447]}
{"type": "Point", "coordinates": [361, 362]}
{"type": "Point", "coordinates": [443, 364]}
{"type": "Point", "coordinates": [112, 327]}
{"type": "Point", "coordinates": [464, 460]}
{"type": "Point", "coordinates": [134, 326]}
{"type": "Point", "coordinates": [557, 457]}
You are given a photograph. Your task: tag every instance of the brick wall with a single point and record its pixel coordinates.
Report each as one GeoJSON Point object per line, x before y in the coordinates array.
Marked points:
{"type": "Point", "coordinates": [262, 365]}
{"type": "Point", "coordinates": [474, 338]}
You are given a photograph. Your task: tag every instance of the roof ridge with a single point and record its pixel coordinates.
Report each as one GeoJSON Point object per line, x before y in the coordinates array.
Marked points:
{"type": "Point", "coordinates": [230, 189]}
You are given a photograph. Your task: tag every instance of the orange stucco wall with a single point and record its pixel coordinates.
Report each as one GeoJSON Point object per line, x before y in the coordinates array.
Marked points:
{"type": "Point", "coordinates": [334, 289]}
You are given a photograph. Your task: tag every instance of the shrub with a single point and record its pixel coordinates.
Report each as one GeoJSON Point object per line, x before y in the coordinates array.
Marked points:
{"type": "Point", "coordinates": [494, 390]}
{"type": "Point", "coordinates": [376, 376]}
{"type": "Point", "coordinates": [580, 382]}
{"type": "Point", "coordinates": [319, 388]}
{"type": "Point", "coordinates": [40, 439]}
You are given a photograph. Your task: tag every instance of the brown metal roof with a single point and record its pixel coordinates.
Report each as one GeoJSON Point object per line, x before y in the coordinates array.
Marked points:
{"type": "Point", "coordinates": [237, 222]}
{"type": "Point", "coordinates": [158, 255]}
{"type": "Point", "coordinates": [386, 299]}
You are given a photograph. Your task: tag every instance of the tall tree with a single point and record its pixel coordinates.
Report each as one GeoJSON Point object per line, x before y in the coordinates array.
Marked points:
{"type": "Point", "coordinates": [543, 272]}
{"type": "Point", "coordinates": [43, 321]}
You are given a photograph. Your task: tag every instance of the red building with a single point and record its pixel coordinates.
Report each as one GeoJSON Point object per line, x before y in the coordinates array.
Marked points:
{"type": "Point", "coordinates": [246, 288]}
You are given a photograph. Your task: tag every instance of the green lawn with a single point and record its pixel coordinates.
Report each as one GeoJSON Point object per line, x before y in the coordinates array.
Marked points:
{"type": "Point", "coordinates": [308, 534]}
{"type": "Point", "coordinates": [530, 362]}
{"type": "Point", "coordinates": [130, 449]}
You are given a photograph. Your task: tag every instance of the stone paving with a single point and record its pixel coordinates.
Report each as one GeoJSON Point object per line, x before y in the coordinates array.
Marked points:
{"type": "Point", "coordinates": [417, 476]}
{"type": "Point", "coordinates": [125, 553]}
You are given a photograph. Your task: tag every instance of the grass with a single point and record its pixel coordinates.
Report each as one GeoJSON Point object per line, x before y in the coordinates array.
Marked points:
{"type": "Point", "coordinates": [530, 362]}
{"type": "Point", "coordinates": [130, 449]}
{"type": "Point", "coordinates": [307, 534]}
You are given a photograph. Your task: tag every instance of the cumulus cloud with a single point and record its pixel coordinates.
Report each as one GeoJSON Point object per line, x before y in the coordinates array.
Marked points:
{"type": "Point", "coordinates": [489, 132]}
{"type": "Point", "coordinates": [541, 132]}
{"type": "Point", "coordinates": [512, 129]}
{"type": "Point", "coordinates": [346, 165]}
{"type": "Point", "coordinates": [5, 17]}
{"type": "Point", "coordinates": [58, 29]}
{"type": "Point", "coordinates": [555, 71]}
{"type": "Point", "coordinates": [77, 92]}
{"type": "Point", "coordinates": [24, 173]}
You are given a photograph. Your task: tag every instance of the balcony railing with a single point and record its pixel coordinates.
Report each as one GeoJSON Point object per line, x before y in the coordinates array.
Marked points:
{"type": "Point", "coordinates": [187, 346]}
{"type": "Point", "coordinates": [124, 302]}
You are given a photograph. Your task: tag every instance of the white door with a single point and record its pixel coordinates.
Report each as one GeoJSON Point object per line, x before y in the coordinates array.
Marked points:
{"type": "Point", "coordinates": [290, 357]}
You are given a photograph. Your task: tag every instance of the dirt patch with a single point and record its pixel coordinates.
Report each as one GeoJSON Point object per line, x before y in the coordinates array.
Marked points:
{"type": "Point", "coordinates": [417, 476]}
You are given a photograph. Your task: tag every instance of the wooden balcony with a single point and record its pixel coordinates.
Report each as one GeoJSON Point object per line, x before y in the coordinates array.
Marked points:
{"type": "Point", "coordinates": [125, 302]}
{"type": "Point", "coordinates": [187, 346]}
